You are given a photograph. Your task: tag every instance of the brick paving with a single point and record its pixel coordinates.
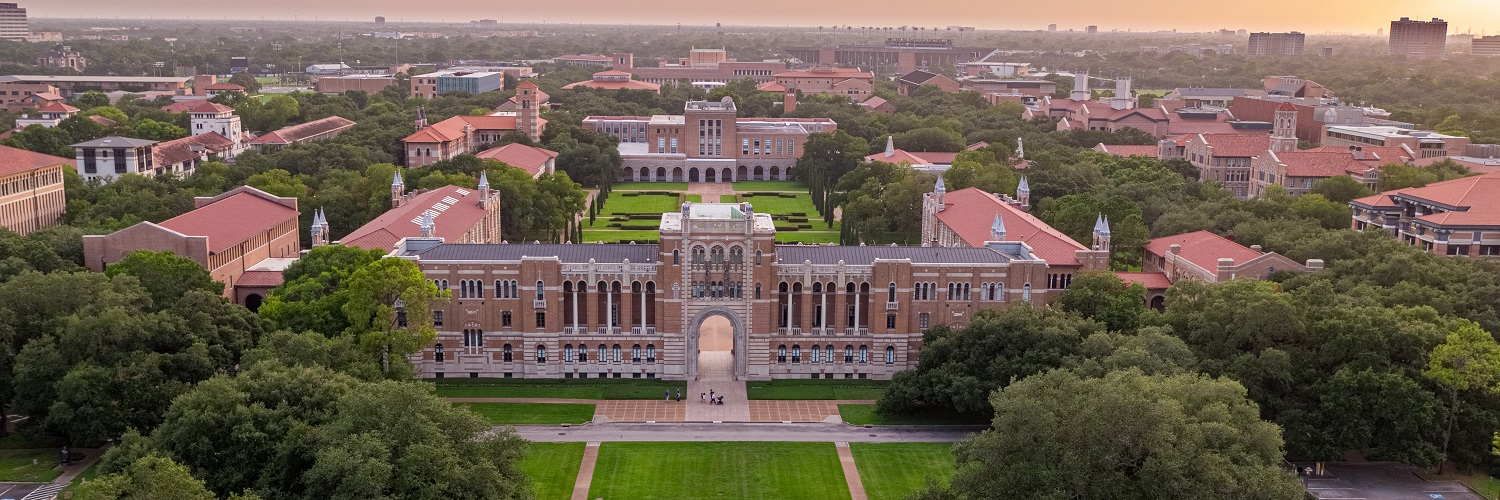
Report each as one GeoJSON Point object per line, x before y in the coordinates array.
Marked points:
{"type": "Point", "coordinates": [641, 410]}
{"type": "Point", "coordinates": [851, 472]}
{"type": "Point", "coordinates": [792, 411]}
{"type": "Point", "coordinates": [586, 471]}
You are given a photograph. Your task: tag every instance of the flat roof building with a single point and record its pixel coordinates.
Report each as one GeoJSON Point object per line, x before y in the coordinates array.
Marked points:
{"type": "Point", "coordinates": [897, 55]}
{"type": "Point", "coordinates": [1276, 44]}
{"type": "Point", "coordinates": [1486, 46]}
{"type": "Point", "coordinates": [1460, 217]}
{"type": "Point", "coordinates": [1425, 143]}
{"type": "Point", "coordinates": [66, 83]}
{"type": "Point", "coordinates": [13, 25]}
{"type": "Point", "coordinates": [430, 85]}
{"type": "Point", "coordinates": [1419, 38]}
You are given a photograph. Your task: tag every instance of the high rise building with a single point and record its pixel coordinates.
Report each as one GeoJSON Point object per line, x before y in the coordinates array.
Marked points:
{"type": "Point", "coordinates": [1276, 44]}
{"type": "Point", "coordinates": [1486, 46]}
{"type": "Point", "coordinates": [1091, 29]}
{"type": "Point", "coordinates": [13, 22]}
{"type": "Point", "coordinates": [1419, 38]}
{"type": "Point", "coordinates": [1052, 27]}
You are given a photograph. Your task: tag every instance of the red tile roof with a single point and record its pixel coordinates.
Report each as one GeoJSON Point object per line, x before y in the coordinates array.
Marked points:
{"type": "Point", "coordinates": [614, 85]}
{"type": "Point", "coordinates": [207, 106]}
{"type": "Point", "coordinates": [528, 84]}
{"type": "Point", "coordinates": [180, 150]}
{"type": "Point", "coordinates": [182, 106]}
{"type": "Point", "coordinates": [1376, 155]}
{"type": "Point", "coordinates": [1237, 145]}
{"type": "Point", "coordinates": [57, 107]}
{"type": "Point", "coordinates": [1286, 106]}
{"type": "Point", "coordinates": [1152, 281]}
{"type": "Point", "coordinates": [1129, 150]}
{"type": "Point", "coordinates": [16, 160]}
{"type": "Point", "coordinates": [453, 128]}
{"type": "Point", "coordinates": [828, 73]}
{"type": "Point", "coordinates": [1474, 195]}
{"type": "Point", "coordinates": [234, 218]}
{"type": "Point", "coordinates": [1203, 248]}
{"type": "Point", "coordinates": [775, 87]}
{"type": "Point", "coordinates": [450, 220]}
{"type": "Point", "coordinates": [936, 157]}
{"type": "Point", "coordinates": [303, 131]}
{"type": "Point", "coordinates": [970, 211]}
{"type": "Point", "coordinates": [1319, 164]}
{"type": "Point", "coordinates": [225, 86]}
{"type": "Point", "coordinates": [260, 279]}
{"type": "Point", "coordinates": [518, 155]}
{"type": "Point", "coordinates": [898, 157]}
{"type": "Point", "coordinates": [102, 120]}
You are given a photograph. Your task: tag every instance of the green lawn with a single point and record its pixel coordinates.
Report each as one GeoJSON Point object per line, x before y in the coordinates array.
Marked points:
{"type": "Point", "coordinates": [811, 237]}
{"type": "Point", "coordinates": [608, 236]}
{"type": "Point", "coordinates": [865, 414]}
{"type": "Point", "coordinates": [18, 441]}
{"type": "Point", "coordinates": [74, 488]}
{"type": "Point", "coordinates": [645, 203]}
{"type": "Point", "coordinates": [778, 205]}
{"type": "Point", "coordinates": [649, 186]}
{"type": "Point", "coordinates": [816, 389]}
{"type": "Point", "coordinates": [569, 388]}
{"type": "Point", "coordinates": [16, 466]}
{"type": "Point", "coordinates": [695, 198]}
{"type": "Point", "coordinates": [893, 471]}
{"type": "Point", "coordinates": [807, 471]}
{"type": "Point", "coordinates": [532, 413]}
{"type": "Point", "coordinates": [553, 468]}
{"type": "Point", "coordinates": [727, 198]}
{"type": "Point", "coordinates": [794, 186]}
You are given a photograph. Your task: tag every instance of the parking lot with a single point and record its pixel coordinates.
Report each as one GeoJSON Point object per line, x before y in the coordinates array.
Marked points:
{"type": "Point", "coordinates": [1382, 482]}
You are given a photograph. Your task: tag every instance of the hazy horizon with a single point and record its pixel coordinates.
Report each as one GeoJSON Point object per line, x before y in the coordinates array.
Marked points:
{"type": "Point", "coordinates": [1336, 16]}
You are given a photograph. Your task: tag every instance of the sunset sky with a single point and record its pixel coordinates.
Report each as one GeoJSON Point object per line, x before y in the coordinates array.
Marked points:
{"type": "Point", "coordinates": [1318, 16]}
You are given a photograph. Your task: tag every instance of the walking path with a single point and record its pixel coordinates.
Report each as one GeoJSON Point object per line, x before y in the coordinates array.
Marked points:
{"type": "Point", "coordinates": [745, 431]}
{"type": "Point", "coordinates": [586, 472]}
{"type": "Point", "coordinates": [710, 190]}
{"type": "Point", "coordinates": [716, 374]}
{"type": "Point", "coordinates": [851, 472]}
{"type": "Point", "coordinates": [693, 410]}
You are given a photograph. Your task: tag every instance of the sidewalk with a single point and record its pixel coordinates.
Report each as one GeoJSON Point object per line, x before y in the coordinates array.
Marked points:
{"type": "Point", "coordinates": [746, 431]}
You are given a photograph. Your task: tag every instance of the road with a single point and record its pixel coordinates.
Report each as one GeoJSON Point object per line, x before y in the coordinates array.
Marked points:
{"type": "Point", "coordinates": [744, 431]}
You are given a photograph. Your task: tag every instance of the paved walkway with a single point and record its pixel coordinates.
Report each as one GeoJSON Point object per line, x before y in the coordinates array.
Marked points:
{"type": "Point", "coordinates": [586, 472]}
{"type": "Point", "coordinates": [851, 472]}
{"type": "Point", "coordinates": [710, 190]}
{"type": "Point", "coordinates": [692, 410]}
{"type": "Point", "coordinates": [745, 431]}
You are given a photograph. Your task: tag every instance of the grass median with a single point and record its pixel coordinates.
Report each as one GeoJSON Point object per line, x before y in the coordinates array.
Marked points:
{"type": "Point", "coordinates": [650, 471]}
{"type": "Point", "coordinates": [863, 414]}
{"type": "Point", "coordinates": [588, 388]}
{"type": "Point", "coordinates": [553, 468]}
{"type": "Point", "coordinates": [893, 471]}
{"type": "Point", "coordinates": [816, 389]}
{"type": "Point", "coordinates": [532, 413]}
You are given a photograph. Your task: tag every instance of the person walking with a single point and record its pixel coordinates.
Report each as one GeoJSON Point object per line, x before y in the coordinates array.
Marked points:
{"type": "Point", "coordinates": [679, 395]}
{"type": "Point", "coordinates": [702, 397]}
{"type": "Point", "coordinates": [669, 395]}
{"type": "Point", "coordinates": [710, 395]}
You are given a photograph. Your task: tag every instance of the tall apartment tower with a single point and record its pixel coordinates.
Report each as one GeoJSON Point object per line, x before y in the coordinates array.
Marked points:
{"type": "Point", "coordinates": [1486, 46]}
{"type": "Point", "coordinates": [1419, 38]}
{"type": "Point", "coordinates": [528, 117]}
{"type": "Point", "coordinates": [1276, 44]}
{"type": "Point", "coordinates": [13, 23]}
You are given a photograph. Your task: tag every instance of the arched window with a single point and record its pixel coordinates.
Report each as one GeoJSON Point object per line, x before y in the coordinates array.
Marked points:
{"type": "Point", "coordinates": [781, 353]}
{"type": "Point", "coordinates": [499, 289]}
{"type": "Point", "coordinates": [849, 354]}
{"type": "Point", "coordinates": [890, 355]}
{"type": "Point", "coordinates": [698, 255]}
{"type": "Point", "coordinates": [616, 351]}
{"type": "Point", "coordinates": [736, 255]}
{"type": "Point", "coordinates": [603, 354]}
{"type": "Point", "coordinates": [828, 354]}
{"type": "Point", "coordinates": [507, 353]}
{"type": "Point", "coordinates": [1026, 292]}
{"type": "Point", "coordinates": [757, 291]}
{"type": "Point", "coordinates": [816, 351]}
{"type": "Point", "coordinates": [541, 353]}
{"type": "Point", "coordinates": [650, 353]}
{"type": "Point", "coordinates": [515, 289]}
{"type": "Point", "coordinates": [568, 353]}
{"type": "Point", "coordinates": [864, 354]}
{"type": "Point", "coordinates": [757, 257]}
{"type": "Point", "coordinates": [717, 254]}
{"type": "Point", "coordinates": [966, 291]}
{"type": "Point", "coordinates": [676, 257]}
{"type": "Point", "coordinates": [539, 289]}
{"type": "Point", "coordinates": [635, 353]}
{"type": "Point", "coordinates": [583, 352]}
{"type": "Point", "coordinates": [890, 292]}
{"type": "Point", "coordinates": [437, 353]}
{"type": "Point", "coordinates": [797, 353]}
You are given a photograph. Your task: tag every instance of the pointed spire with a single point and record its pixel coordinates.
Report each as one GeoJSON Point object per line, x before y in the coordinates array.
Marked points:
{"type": "Point", "coordinates": [1099, 224]}
{"type": "Point", "coordinates": [1105, 230]}
{"type": "Point", "coordinates": [1023, 187]}
{"type": "Point", "coordinates": [890, 146]}
{"type": "Point", "coordinates": [997, 229]}
{"type": "Point", "coordinates": [396, 181]}
{"type": "Point", "coordinates": [484, 180]}
{"type": "Point", "coordinates": [939, 187]}
{"type": "Point", "coordinates": [427, 225]}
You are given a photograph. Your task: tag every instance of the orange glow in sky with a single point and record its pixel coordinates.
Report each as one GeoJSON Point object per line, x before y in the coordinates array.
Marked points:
{"type": "Point", "coordinates": [1351, 16]}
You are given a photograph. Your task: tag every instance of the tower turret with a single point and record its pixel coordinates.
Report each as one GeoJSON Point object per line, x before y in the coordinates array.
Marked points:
{"type": "Point", "coordinates": [1284, 133]}
{"type": "Point", "coordinates": [1023, 193]}
{"type": "Point", "coordinates": [484, 189]}
{"type": "Point", "coordinates": [421, 121]}
{"type": "Point", "coordinates": [429, 228]}
{"type": "Point", "coordinates": [890, 146]}
{"type": "Point", "coordinates": [397, 189]}
{"type": "Point", "coordinates": [997, 229]}
{"type": "Point", "coordinates": [938, 190]}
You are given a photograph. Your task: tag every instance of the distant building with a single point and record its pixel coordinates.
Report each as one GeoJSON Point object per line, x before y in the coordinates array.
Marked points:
{"type": "Point", "coordinates": [223, 88]}
{"type": "Point", "coordinates": [1326, 52]}
{"type": "Point", "coordinates": [534, 160]}
{"type": "Point", "coordinates": [62, 57]}
{"type": "Point", "coordinates": [708, 143]}
{"type": "Point", "coordinates": [430, 85]}
{"type": "Point", "coordinates": [13, 24]}
{"type": "Point", "coordinates": [897, 55]}
{"type": "Point", "coordinates": [701, 67]}
{"type": "Point", "coordinates": [1052, 27]}
{"type": "Point", "coordinates": [31, 190]}
{"type": "Point", "coordinates": [66, 83]}
{"type": "Point", "coordinates": [48, 116]}
{"type": "Point", "coordinates": [1419, 38]}
{"type": "Point", "coordinates": [108, 158]}
{"type": "Point", "coordinates": [327, 69]}
{"type": "Point", "coordinates": [1276, 44]}
{"type": "Point", "coordinates": [1486, 46]}
{"type": "Point", "coordinates": [613, 80]}
{"type": "Point", "coordinates": [1034, 88]}
{"type": "Point", "coordinates": [1225, 159]}
{"type": "Point", "coordinates": [910, 81]}
{"type": "Point", "coordinates": [210, 117]}
{"type": "Point", "coordinates": [344, 83]}
{"type": "Point", "coordinates": [584, 60]}
{"type": "Point", "coordinates": [1460, 217]}
{"type": "Point", "coordinates": [853, 84]}
{"type": "Point", "coordinates": [227, 234]}
{"type": "Point", "coordinates": [316, 130]}
{"type": "Point", "coordinates": [1091, 29]}
{"type": "Point", "coordinates": [44, 36]}
{"type": "Point", "coordinates": [1426, 144]}
{"type": "Point", "coordinates": [379, 19]}
{"type": "Point", "coordinates": [922, 161]}
{"type": "Point", "coordinates": [459, 135]}
{"type": "Point", "coordinates": [1206, 257]}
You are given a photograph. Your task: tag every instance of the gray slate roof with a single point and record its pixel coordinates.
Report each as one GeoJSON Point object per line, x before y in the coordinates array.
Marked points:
{"type": "Point", "coordinates": [572, 253]}
{"type": "Point", "coordinates": [797, 254]}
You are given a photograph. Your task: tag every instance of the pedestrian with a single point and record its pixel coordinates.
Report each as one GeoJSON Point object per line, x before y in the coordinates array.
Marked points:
{"type": "Point", "coordinates": [679, 395]}
{"type": "Point", "coordinates": [710, 395]}
{"type": "Point", "coordinates": [702, 397]}
{"type": "Point", "coordinates": [669, 395]}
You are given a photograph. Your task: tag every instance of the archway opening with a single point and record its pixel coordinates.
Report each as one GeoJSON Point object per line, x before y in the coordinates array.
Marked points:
{"type": "Point", "coordinates": [715, 349]}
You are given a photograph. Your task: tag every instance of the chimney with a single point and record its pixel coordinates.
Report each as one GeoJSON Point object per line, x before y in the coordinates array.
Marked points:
{"type": "Point", "coordinates": [1175, 248]}
{"type": "Point", "coordinates": [1226, 269]}
{"type": "Point", "coordinates": [1256, 248]}
{"type": "Point", "coordinates": [1314, 264]}
{"type": "Point", "coordinates": [789, 102]}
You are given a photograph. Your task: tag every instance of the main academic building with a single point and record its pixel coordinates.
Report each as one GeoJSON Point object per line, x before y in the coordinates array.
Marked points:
{"type": "Point", "coordinates": [796, 311]}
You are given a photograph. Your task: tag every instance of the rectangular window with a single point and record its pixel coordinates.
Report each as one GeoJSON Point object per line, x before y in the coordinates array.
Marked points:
{"type": "Point", "coordinates": [437, 318]}
{"type": "Point", "coordinates": [505, 319]}
{"type": "Point", "coordinates": [541, 320]}
{"type": "Point", "coordinates": [922, 320]}
{"type": "Point", "coordinates": [890, 321]}
{"type": "Point", "coordinates": [744, 146]}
